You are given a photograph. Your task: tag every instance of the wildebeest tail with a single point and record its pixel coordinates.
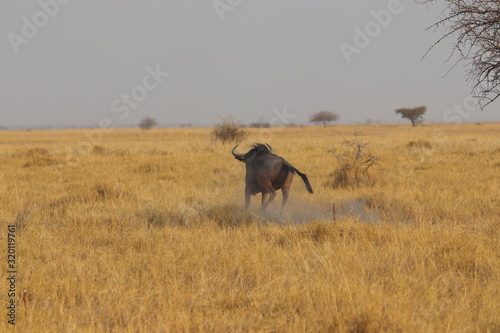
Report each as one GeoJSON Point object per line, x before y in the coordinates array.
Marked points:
{"type": "Point", "coordinates": [303, 176]}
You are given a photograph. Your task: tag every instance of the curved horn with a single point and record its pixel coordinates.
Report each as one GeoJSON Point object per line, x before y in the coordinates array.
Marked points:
{"type": "Point", "coordinates": [235, 154]}
{"type": "Point", "coordinates": [270, 148]}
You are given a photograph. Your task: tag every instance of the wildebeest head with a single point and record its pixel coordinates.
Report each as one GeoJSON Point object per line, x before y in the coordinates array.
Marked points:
{"type": "Point", "coordinates": [258, 149]}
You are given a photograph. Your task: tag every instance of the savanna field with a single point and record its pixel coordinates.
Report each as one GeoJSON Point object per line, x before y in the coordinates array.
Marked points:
{"type": "Point", "coordinates": [145, 231]}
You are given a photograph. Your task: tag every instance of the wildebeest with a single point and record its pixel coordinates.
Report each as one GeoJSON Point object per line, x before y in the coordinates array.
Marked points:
{"type": "Point", "coordinates": [266, 173]}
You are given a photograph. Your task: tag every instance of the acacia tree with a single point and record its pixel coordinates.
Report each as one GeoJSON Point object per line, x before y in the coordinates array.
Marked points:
{"type": "Point", "coordinates": [147, 123]}
{"type": "Point", "coordinates": [476, 26]}
{"type": "Point", "coordinates": [323, 117]}
{"type": "Point", "coordinates": [416, 115]}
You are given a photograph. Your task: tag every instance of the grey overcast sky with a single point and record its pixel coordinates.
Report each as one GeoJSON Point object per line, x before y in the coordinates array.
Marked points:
{"type": "Point", "coordinates": [78, 62]}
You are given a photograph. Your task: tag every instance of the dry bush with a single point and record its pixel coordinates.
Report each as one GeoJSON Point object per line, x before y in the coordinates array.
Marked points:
{"type": "Point", "coordinates": [107, 191]}
{"type": "Point", "coordinates": [35, 151]}
{"type": "Point", "coordinates": [99, 150]}
{"type": "Point", "coordinates": [36, 157]}
{"type": "Point", "coordinates": [351, 176]}
{"type": "Point", "coordinates": [228, 131]}
{"type": "Point", "coordinates": [420, 143]}
{"type": "Point", "coordinates": [354, 165]}
{"type": "Point", "coordinates": [40, 161]}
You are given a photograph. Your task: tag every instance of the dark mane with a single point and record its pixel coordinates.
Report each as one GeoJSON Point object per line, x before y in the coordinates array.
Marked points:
{"type": "Point", "coordinates": [261, 148]}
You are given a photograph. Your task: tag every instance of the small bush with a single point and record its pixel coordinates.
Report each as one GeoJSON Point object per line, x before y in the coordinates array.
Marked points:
{"type": "Point", "coordinates": [37, 157]}
{"type": "Point", "coordinates": [107, 191]}
{"type": "Point", "coordinates": [99, 150]}
{"type": "Point", "coordinates": [228, 131]}
{"type": "Point", "coordinates": [354, 165]}
{"type": "Point", "coordinates": [420, 144]}
{"type": "Point", "coordinates": [349, 176]}
{"type": "Point", "coordinates": [155, 217]}
{"type": "Point", "coordinates": [36, 151]}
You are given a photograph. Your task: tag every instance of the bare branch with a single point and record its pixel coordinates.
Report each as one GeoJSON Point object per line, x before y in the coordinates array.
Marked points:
{"type": "Point", "coordinates": [476, 25]}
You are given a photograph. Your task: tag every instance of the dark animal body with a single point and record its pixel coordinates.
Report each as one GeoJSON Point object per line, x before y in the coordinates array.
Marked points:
{"type": "Point", "coordinates": [266, 173]}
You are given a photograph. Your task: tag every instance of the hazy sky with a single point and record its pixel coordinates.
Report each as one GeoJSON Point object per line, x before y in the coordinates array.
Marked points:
{"type": "Point", "coordinates": [115, 62]}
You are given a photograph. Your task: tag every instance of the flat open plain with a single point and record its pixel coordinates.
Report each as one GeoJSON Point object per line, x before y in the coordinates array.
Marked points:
{"type": "Point", "coordinates": [145, 231]}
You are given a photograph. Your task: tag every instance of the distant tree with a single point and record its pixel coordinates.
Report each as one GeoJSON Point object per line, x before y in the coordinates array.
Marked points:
{"type": "Point", "coordinates": [323, 117]}
{"type": "Point", "coordinates": [416, 115]}
{"type": "Point", "coordinates": [260, 125]}
{"type": "Point", "coordinates": [147, 123]}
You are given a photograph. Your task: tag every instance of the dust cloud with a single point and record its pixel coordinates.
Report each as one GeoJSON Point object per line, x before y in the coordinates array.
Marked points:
{"type": "Point", "coordinates": [298, 211]}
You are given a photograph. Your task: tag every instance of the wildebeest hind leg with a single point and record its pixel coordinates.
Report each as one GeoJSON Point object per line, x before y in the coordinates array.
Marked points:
{"type": "Point", "coordinates": [285, 189]}
{"type": "Point", "coordinates": [286, 192]}
{"type": "Point", "coordinates": [265, 197]}
{"type": "Point", "coordinates": [272, 193]}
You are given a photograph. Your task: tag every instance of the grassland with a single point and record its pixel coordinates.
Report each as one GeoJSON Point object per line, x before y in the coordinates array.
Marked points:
{"type": "Point", "coordinates": [144, 231]}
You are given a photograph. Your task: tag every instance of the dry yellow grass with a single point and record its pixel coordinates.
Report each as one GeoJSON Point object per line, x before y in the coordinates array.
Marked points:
{"type": "Point", "coordinates": [144, 231]}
